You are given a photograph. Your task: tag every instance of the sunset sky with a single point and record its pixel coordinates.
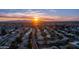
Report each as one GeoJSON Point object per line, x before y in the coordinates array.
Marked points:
{"type": "Point", "coordinates": [47, 14]}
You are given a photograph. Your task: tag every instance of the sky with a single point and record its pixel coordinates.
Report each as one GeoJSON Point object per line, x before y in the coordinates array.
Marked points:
{"type": "Point", "coordinates": [48, 14]}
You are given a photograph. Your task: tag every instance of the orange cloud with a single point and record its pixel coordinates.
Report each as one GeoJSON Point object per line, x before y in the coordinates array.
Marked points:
{"type": "Point", "coordinates": [24, 16]}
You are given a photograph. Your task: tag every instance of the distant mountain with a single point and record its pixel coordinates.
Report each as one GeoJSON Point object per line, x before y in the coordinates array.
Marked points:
{"type": "Point", "coordinates": [13, 21]}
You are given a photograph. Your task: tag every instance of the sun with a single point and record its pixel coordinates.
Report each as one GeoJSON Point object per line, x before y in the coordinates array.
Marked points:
{"type": "Point", "coordinates": [36, 21]}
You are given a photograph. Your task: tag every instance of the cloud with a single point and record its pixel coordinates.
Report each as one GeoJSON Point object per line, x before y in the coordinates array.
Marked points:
{"type": "Point", "coordinates": [40, 13]}
{"type": "Point", "coordinates": [66, 18]}
{"type": "Point", "coordinates": [31, 12]}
